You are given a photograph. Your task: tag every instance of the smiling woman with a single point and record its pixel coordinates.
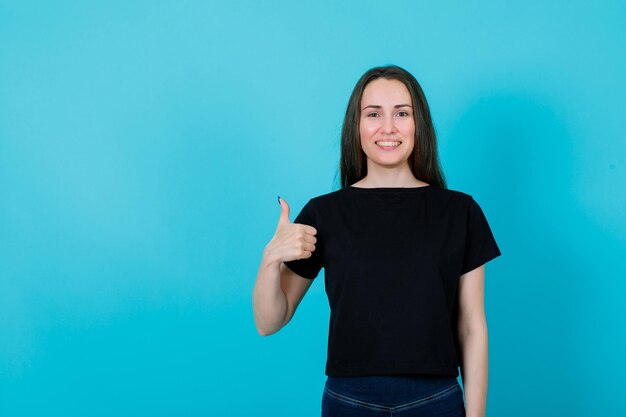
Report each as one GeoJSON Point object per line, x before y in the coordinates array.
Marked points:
{"type": "Point", "coordinates": [387, 126]}
{"type": "Point", "coordinates": [387, 103]}
{"type": "Point", "coordinates": [403, 258]}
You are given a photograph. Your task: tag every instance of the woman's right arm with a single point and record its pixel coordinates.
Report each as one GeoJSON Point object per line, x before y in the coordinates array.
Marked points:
{"type": "Point", "coordinates": [268, 300]}
{"type": "Point", "coordinates": [277, 294]}
{"type": "Point", "coordinates": [278, 290]}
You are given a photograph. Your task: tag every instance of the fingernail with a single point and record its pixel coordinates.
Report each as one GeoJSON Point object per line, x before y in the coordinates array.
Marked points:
{"type": "Point", "coordinates": [278, 199]}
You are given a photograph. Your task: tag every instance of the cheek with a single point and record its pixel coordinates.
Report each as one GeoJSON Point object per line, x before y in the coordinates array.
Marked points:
{"type": "Point", "coordinates": [367, 128]}
{"type": "Point", "coordinates": [409, 124]}
{"type": "Point", "coordinates": [409, 130]}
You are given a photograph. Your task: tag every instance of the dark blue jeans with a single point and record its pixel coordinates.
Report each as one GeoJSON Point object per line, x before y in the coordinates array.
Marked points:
{"type": "Point", "coordinates": [398, 395]}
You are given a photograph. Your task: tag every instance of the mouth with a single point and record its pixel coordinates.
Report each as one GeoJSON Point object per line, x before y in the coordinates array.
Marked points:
{"type": "Point", "coordinates": [388, 144]}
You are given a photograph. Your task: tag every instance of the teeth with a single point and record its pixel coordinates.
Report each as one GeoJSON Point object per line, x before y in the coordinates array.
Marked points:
{"type": "Point", "coordinates": [389, 143]}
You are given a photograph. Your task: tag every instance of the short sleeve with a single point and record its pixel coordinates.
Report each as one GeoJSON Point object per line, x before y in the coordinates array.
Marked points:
{"type": "Point", "coordinates": [309, 267]}
{"type": "Point", "coordinates": [480, 245]}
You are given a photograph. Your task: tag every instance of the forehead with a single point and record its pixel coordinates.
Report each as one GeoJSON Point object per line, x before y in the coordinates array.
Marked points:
{"type": "Point", "coordinates": [382, 91]}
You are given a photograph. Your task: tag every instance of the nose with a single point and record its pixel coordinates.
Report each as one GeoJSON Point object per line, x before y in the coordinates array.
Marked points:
{"type": "Point", "coordinates": [389, 125]}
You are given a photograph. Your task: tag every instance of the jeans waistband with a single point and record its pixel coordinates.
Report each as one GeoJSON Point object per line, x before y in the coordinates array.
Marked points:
{"type": "Point", "coordinates": [390, 388]}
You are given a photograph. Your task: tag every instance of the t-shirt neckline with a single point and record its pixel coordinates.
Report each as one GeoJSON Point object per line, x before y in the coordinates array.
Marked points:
{"type": "Point", "coordinates": [390, 189]}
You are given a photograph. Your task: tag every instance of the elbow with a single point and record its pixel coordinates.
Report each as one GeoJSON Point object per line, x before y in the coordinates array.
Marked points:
{"type": "Point", "coordinates": [267, 332]}
{"type": "Point", "coordinates": [270, 328]}
{"type": "Point", "coordinates": [476, 328]}
{"type": "Point", "coordinates": [262, 332]}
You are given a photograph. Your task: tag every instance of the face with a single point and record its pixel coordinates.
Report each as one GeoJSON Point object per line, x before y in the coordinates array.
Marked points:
{"type": "Point", "coordinates": [387, 124]}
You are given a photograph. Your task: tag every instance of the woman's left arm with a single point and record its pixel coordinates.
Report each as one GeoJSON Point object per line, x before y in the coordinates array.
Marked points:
{"type": "Point", "coordinates": [473, 340]}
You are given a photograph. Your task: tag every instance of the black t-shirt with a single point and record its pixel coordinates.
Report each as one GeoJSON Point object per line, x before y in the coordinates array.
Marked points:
{"type": "Point", "coordinates": [392, 259]}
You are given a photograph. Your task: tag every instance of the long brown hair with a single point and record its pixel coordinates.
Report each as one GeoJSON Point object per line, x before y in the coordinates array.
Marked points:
{"type": "Point", "coordinates": [424, 161]}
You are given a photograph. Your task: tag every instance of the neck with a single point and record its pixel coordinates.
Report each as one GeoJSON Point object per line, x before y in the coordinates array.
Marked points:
{"type": "Point", "coordinates": [378, 176]}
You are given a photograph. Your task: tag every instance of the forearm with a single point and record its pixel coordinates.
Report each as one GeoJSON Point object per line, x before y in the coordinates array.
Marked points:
{"type": "Point", "coordinates": [474, 372]}
{"type": "Point", "coordinates": [268, 299]}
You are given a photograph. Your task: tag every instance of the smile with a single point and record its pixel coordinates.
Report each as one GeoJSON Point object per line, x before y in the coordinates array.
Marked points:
{"type": "Point", "coordinates": [388, 144]}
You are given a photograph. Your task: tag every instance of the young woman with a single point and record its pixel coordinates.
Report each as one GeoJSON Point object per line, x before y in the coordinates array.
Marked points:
{"type": "Point", "coordinates": [404, 265]}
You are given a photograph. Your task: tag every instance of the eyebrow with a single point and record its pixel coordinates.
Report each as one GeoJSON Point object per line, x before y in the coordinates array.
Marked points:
{"type": "Point", "coordinates": [376, 106]}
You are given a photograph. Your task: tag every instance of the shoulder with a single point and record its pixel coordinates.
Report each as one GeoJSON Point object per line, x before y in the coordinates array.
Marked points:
{"type": "Point", "coordinates": [327, 198]}
{"type": "Point", "coordinates": [453, 197]}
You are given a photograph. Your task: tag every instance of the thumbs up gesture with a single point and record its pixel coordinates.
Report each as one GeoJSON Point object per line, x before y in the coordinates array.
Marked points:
{"type": "Point", "coordinates": [291, 241]}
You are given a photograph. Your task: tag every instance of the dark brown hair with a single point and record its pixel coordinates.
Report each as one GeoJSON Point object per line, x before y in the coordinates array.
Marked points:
{"type": "Point", "coordinates": [424, 161]}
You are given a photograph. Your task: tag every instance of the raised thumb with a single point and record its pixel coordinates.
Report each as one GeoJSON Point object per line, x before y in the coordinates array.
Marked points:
{"type": "Point", "coordinates": [284, 211]}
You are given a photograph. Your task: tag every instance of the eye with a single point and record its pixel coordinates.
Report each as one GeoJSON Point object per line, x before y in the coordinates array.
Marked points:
{"type": "Point", "coordinates": [371, 114]}
{"type": "Point", "coordinates": [407, 114]}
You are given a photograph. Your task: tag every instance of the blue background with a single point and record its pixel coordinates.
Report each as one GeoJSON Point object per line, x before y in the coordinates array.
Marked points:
{"type": "Point", "coordinates": [143, 144]}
